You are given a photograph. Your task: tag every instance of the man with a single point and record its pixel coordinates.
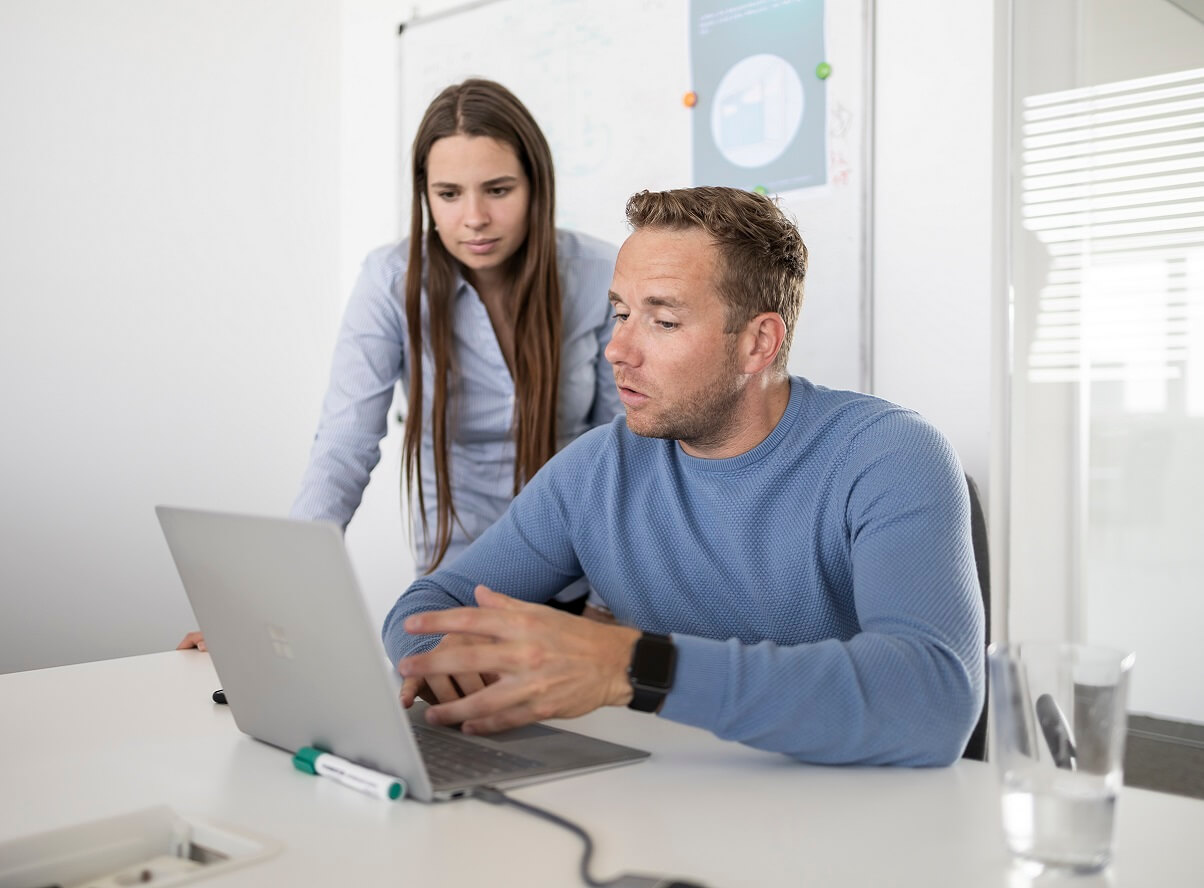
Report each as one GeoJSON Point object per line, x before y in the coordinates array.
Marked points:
{"type": "Point", "coordinates": [789, 566]}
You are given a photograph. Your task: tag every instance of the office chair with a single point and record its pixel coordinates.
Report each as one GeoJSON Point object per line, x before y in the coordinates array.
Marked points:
{"type": "Point", "coordinates": [976, 746]}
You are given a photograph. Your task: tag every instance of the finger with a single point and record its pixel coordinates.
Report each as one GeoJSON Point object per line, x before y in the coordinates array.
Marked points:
{"type": "Point", "coordinates": [489, 623]}
{"type": "Point", "coordinates": [515, 717]}
{"type": "Point", "coordinates": [201, 646]}
{"type": "Point", "coordinates": [476, 659]}
{"type": "Point", "coordinates": [442, 689]}
{"type": "Point", "coordinates": [469, 682]}
{"type": "Point", "coordinates": [425, 693]}
{"type": "Point", "coordinates": [409, 691]}
{"type": "Point", "coordinates": [191, 640]}
{"type": "Point", "coordinates": [486, 597]}
{"type": "Point", "coordinates": [490, 702]}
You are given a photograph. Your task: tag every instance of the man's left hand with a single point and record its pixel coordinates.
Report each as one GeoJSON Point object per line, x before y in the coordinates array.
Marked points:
{"type": "Point", "coordinates": [549, 664]}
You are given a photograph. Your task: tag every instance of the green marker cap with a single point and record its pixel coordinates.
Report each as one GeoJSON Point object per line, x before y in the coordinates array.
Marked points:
{"type": "Point", "coordinates": [306, 759]}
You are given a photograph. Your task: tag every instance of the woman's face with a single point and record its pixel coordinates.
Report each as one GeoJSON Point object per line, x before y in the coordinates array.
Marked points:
{"type": "Point", "coordinates": [478, 195]}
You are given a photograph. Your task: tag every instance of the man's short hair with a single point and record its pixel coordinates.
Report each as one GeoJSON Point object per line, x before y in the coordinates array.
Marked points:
{"type": "Point", "coordinates": [763, 257]}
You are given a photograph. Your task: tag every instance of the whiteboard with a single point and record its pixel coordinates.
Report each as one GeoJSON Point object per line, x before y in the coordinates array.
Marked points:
{"type": "Point", "coordinates": [607, 81]}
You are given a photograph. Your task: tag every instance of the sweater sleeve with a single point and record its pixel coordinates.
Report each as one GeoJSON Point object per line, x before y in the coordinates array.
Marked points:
{"type": "Point", "coordinates": [527, 553]}
{"type": "Point", "coordinates": [368, 361]}
{"type": "Point", "coordinates": [908, 687]}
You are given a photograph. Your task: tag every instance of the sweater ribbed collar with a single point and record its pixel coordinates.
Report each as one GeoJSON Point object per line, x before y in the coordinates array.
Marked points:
{"type": "Point", "coordinates": [798, 387]}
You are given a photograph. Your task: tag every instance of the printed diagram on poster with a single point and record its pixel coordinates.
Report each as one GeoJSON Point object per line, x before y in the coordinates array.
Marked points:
{"type": "Point", "coordinates": [759, 70]}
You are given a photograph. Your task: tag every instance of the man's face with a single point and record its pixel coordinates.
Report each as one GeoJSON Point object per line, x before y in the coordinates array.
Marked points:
{"type": "Point", "coordinates": [677, 370]}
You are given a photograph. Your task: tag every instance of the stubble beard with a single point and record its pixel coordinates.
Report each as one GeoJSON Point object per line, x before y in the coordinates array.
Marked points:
{"type": "Point", "coordinates": [703, 418]}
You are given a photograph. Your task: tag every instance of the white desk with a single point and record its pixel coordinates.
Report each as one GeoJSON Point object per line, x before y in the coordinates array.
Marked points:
{"type": "Point", "coordinates": [88, 741]}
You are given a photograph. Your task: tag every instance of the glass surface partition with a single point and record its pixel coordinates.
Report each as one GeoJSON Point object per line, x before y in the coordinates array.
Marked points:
{"type": "Point", "coordinates": [1107, 301]}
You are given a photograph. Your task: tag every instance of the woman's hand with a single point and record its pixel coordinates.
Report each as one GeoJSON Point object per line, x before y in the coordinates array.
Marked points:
{"type": "Point", "coordinates": [193, 640]}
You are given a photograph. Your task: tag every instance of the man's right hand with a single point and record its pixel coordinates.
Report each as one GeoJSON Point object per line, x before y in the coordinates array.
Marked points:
{"type": "Point", "coordinates": [445, 688]}
{"type": "Point", "coordinates": [192, 640]}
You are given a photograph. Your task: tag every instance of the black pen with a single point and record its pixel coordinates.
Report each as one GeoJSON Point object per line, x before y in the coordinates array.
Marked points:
{"type": "Point", "coordinates": [1057, 732]}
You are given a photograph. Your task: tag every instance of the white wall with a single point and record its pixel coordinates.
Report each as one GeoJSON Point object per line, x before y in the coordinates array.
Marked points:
{"type": "Point", "coordinates": [371, 181]}
{"type": "Point", "coordinates": [169, 223]}
{"type": "Point", "coordinates": [189, 188]}
{"type": "Point", "coordinates": [939, 314]}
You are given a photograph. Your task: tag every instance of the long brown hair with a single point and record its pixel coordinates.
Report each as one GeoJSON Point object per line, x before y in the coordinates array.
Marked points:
{"type": "Point", "coordinates": [482, 108]}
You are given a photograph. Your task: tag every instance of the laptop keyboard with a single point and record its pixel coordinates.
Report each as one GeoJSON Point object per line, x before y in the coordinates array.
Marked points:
{"type": "Point", "coordinates": [451, 759]}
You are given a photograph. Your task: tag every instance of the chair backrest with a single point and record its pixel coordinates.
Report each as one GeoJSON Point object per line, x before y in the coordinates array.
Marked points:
{"type": "Point", "coordinates": [976, 746]}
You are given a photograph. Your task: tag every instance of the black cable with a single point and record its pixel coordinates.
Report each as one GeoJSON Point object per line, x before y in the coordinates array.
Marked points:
{"type": "Point", "coordinates": [496, 797]}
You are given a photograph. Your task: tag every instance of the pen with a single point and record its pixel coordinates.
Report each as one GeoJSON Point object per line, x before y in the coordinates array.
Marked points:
{"type": "Point", "coordinates": [374, 783]}
{"type": "Point", "coordinates": [1057, 732]}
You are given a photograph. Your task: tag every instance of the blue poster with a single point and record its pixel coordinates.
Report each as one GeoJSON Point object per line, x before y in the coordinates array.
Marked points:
{"type": "Point", "coordinates": [760, 121]}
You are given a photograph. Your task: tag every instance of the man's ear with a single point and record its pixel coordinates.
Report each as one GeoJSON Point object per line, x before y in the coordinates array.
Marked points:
{"type": "Point", "coordinates": [761, 340]}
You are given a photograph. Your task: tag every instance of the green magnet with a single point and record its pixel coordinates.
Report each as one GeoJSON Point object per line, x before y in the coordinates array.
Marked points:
{"type": "Point", "coordinates": [823, 70]}
{"type": "Point", "coordinates": [760, 189]}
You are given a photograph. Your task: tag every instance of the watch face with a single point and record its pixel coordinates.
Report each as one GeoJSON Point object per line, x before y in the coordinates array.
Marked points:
{"type": "Point", "coordinates": [653, 662]}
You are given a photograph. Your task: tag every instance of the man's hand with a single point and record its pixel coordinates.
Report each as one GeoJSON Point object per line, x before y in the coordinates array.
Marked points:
{"type": "Point", "coordinates": [446, 688]}
{"type": "Point", "coordinates": [192, 640]}
{"type": "Point", "coordinates": [548, 664]}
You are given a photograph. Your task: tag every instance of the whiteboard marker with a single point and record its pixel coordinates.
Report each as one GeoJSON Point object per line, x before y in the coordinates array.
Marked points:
{"type": "Point", "coordinates": [374, 783]}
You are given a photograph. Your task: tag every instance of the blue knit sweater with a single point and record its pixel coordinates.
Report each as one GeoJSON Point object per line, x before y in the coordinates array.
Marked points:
{"type": "Point", "coordinates": [820, 588]}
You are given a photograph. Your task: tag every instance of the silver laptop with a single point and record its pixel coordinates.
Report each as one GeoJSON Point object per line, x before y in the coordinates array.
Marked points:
{"type": "Point", "coordinates": [302, 665]}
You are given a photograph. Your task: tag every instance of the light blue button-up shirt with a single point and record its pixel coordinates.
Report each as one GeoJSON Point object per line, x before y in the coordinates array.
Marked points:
{"type": "Point", "coordinates": [373, 353]}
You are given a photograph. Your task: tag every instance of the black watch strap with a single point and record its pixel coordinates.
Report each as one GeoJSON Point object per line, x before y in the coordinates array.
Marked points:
{"type": "Point", "coordinates": [651, 672]}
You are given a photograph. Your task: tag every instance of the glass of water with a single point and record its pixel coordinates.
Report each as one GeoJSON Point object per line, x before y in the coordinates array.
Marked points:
{"type": "Point", "coordinates": [1058, 739]}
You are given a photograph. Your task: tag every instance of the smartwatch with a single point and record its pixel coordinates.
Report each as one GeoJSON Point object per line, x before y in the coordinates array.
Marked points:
{"type": "Point", "coordinates": [653, 661]}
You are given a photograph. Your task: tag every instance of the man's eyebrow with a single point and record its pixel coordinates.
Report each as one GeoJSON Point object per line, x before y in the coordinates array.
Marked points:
{"type": "Point", "coordinates": [666, 302]}
{"type": "Point", "coordinates": [661, 301]}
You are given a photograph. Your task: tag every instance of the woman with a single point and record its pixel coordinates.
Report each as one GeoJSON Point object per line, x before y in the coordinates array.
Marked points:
{"type": "Point", "coordinates": [493, 320]}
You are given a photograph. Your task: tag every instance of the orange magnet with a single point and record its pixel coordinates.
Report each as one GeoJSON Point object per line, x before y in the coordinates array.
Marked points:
{"type": "Point", "coordinates": [690, 99]}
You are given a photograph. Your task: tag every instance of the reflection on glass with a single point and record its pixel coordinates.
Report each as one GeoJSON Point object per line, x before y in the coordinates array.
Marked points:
{"type": "Point", "coordinates": [1122, 214]}
{"type": "Point", "coordinates": [1107, 274]}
